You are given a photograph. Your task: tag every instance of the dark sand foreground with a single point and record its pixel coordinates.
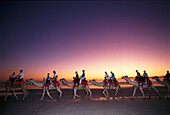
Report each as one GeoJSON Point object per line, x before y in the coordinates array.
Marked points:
{"type": "Point", "coordinates": [98, 105]}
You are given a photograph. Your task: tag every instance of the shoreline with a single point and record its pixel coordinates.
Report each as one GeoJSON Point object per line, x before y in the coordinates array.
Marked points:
{"type": "Point", "coordinates": [98, 105]}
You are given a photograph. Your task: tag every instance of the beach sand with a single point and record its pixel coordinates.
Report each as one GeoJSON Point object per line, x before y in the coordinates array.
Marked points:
{"type": "Point", "coordinates": [98, 105]}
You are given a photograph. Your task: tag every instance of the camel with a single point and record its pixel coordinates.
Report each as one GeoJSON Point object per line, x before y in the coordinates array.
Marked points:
{"type": "Point", "coordinates": [106, 87]}
{"type": "Point", "coordinates": [46, 89]}
{"type": "Point", "coordinates": [165, 83]}
{"type": "Point", "coordinates": [8, 87]}
{"type": "Point", "coordinates": [136, 85]}
{"type": "Point", "coordinates": [71, 84]}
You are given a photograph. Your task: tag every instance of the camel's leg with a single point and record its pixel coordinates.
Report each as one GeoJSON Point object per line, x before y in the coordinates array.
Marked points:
{"type": "Point", "coordinates": [75, 93]}
{"type": "Point", "coordinates": [59, 90]}
{"type": "Point", "coordinates": [48, 93]}
{"type": "Point", "coordinates": [141, 89]}
{"type": "Point", "coordinates": [134, 91]}
{"type": "Point", "coordinates": [90, 92]}
{"type": "Point", "coordinates": [156, 91]}
{"type": "Point", "coordinates": [104, 93]}
{"type": "Point", "coordinates": [43, 94]}
{"type": "Point", "coordinates": [121, 92]}
{"type": "Point", "coordinates": [149, 88]}
{"type": "Point", "coordinates": [168, 86]}
{"type": "Point", "coordinates": [14, 94]}
{"type": "Point", "coordinates": [24, 93]}
{"type": "Point", "coordinates": [117, 88]}
{"type": "Point", "coordinates": [107, 93]}
{"type": "Point", "coordinates": [6, 94]}
{"type": "Point", "coordinates": [86, 92]}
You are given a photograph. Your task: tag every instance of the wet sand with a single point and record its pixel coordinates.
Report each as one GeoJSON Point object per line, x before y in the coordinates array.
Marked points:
{"type": "Point", "coordinates": [98, 105]}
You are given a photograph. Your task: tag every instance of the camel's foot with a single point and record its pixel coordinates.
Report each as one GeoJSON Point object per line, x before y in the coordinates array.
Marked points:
{"type": "Point", "coordinates": [160, 97]}
{"type": "Point", "coordinates": [132, 98]}
{"type": "Point", "coordinates": [113, 97]}
{"type": "Point", "coordinates": [77, 96]}
{"type": "Point", "coordinates": [149, 97]}
{"type": "Point", "coordinates": [16, 98]}
{"type": "Point", "coordinates": [144, 98]}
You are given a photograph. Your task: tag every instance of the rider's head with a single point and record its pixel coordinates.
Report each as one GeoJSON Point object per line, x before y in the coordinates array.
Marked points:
{"type": "Point", "coordinates": [105, 72]}
{"type": "Point", "coordinates": [144, 71]}
{"type": "Point", "coordinates": [13, 73]}
{"type": "Point", "coordinates": [136, 70]}
{"type": "Point", "coordinates": [76, 72]}
{"type": "Point", "coordinates": [83, 71]}
{"type": "Point", "coordinates": [48, 73]}
{"type": "Point", "coordinates": [167, 71]}
{"type": "Point", "coordinates": [111, 72]}
{"type": "Point", "coordinates": [54, 71]}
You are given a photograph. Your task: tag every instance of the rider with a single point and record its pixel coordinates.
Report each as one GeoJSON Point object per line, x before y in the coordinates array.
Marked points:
{"type": "Point", "coordinates": [113, 78]}
{"type": "Point", "coordinates": [48, 79]}
{"type": "Point", "coordinates": [12, 79]}
{"type": "Point", "coordinates": [54, 76]}
{"type": "Point", "coordinates": [82, 76]}
{"type": "Point", "coordinates": [107, 78]}
{"type": "Point", "coordinates": [145, 75]}
{"type": "Point", "coordinates": [139, 77]}
{"type": "Point", "coordinates": [167, 76]}
{"type": "Point", "coordinates": [20, 77]}
{"type": "Point", "coordinates": [76, 79]}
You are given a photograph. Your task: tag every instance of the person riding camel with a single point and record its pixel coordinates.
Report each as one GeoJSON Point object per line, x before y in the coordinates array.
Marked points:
{"type": "Point", "coordinates": [107, 78]}
{"type": "Point", "coordinates": [12, 79]}
{"type": "Point", "coordinates": [48, 79]}
{"type": "Point", "coordinates": [54, 76]}
{"type": "Point", "coordinates": [145, 75]}
{"type": "Point", "coordinates": [167, 77]}
{"type": "Point", "coordinates": [82, 76]}
{"type": "Point", "coordinates": [112, 78]}
{"type": "Point", "coordinates": [20, 77]}
{"type": "Point", "coordinates": [76, 79]}
{"type": "Point", "coordinates": [139, 77]}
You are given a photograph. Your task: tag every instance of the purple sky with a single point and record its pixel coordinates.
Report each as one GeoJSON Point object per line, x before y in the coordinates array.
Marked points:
{"type": "Point", "coordinates": [96, 36]}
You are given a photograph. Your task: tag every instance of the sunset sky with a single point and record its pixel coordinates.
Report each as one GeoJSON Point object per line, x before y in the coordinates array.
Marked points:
{"type": "Point", "coordinates": [69, 36]}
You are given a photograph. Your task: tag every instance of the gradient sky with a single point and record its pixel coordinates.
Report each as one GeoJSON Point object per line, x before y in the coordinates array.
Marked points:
{"type": "Point", "coordinates": [40, 37]}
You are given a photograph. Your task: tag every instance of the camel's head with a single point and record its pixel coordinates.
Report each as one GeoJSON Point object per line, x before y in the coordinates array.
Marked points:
{"type": "Point", "coordinates": [63, 81]}
{"type": "Point", "coordinates": [124, 77]}
{"type": "Point", "coordinates": [30, 81]}
{"type": "Point", "coordinates": [155, 77]}
{"type": "Point", "coordinates": [93, 80]}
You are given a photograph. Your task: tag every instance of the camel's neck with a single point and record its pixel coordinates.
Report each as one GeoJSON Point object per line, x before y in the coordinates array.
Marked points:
{"type": "Point", "coordinates": [69, 84]}
{"type": "Point", "coordinates": [129, 81]}
{"type": "Point", "coordinates": [159, 81]}
{"type": "Point", "coordinates": [98, 84]}
{"type": "Point", "coordinates": [38, 84]}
